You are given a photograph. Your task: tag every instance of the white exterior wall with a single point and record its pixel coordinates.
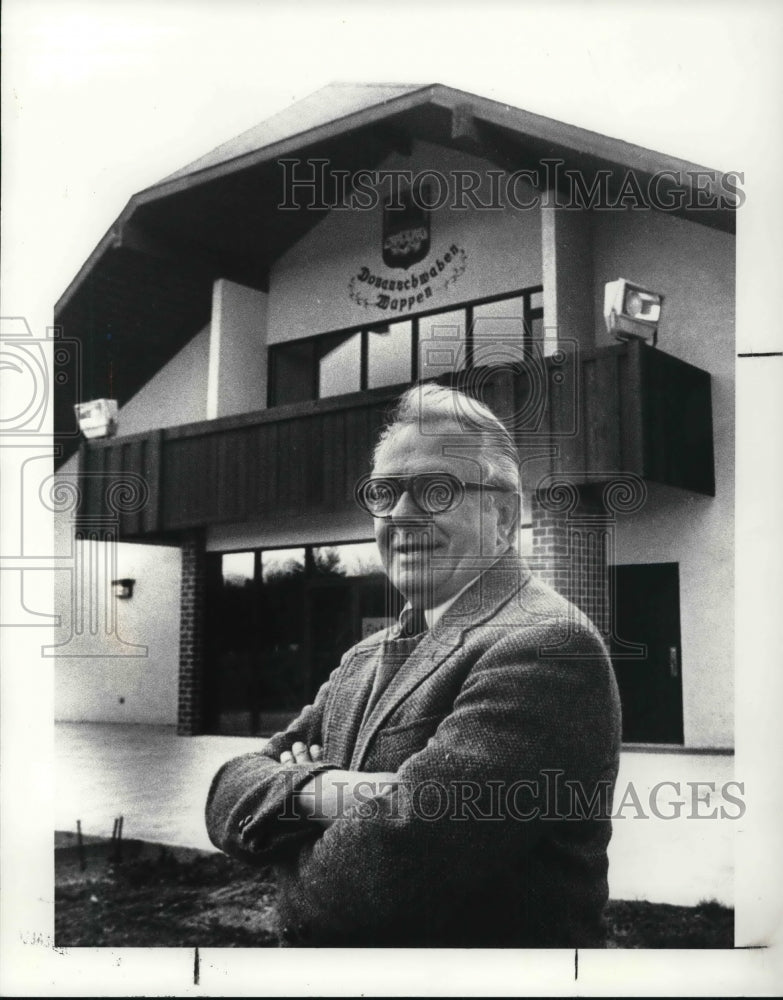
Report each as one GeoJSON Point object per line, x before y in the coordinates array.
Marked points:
{"type": "Point", "coordinates": [566, 240]}
{"type": "Point", "coordinates": [177, 394]}
{"type": "Point", "coordinates": [310, 285]}
{"type": "Point", "coordinates": [100, 679]}
{"type": "Point", "coordinates": [237, 350]}
{"type": "Point", "coordinates": [693, 266]}
{"type": "Point", "coordinates": [95, 671]}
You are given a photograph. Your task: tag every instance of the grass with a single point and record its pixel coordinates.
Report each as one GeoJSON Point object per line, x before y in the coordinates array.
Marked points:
{"type": "Point", "coordinates": [172, 897]}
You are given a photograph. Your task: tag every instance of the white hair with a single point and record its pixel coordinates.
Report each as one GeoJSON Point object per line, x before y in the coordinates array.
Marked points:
{"type": "Point", "coordinates": [458, 414]}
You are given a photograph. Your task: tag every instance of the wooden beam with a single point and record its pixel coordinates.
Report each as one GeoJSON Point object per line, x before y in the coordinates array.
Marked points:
{"type": "Point", "coordinates": [471, 135]}
{"type": "Point", "coordinates": [129, 235]}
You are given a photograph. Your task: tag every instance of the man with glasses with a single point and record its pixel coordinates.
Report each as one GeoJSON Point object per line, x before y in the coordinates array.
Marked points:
{"type": "Point", "coordinates": [451, 784]}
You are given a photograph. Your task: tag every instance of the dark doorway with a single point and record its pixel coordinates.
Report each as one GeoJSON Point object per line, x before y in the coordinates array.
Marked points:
{"type": "Point", "coordinates": [647, 612]}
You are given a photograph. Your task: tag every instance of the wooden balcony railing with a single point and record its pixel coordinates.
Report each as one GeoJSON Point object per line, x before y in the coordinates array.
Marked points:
{"type": "Point", "coordinates": [625, 408]}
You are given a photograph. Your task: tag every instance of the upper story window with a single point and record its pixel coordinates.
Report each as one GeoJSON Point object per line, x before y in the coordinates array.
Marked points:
{"type": "Point", "coordinates": [339, 364]}
{"type": "Point", "coordinates": [422, 347]}
{"type": "Point", "coordinates": [390, 354]}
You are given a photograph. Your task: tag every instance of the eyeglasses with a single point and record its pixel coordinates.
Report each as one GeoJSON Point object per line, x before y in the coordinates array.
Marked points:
{"type": "Point", "coordinates": [432, 492]}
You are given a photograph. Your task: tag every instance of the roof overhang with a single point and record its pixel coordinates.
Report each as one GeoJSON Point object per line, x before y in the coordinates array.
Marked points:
{"type": "Point", "coordinates": [146, 288]}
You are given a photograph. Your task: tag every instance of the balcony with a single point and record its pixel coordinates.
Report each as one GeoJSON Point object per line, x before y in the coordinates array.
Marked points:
{"type": "Point", "coordinates": [624, 408]}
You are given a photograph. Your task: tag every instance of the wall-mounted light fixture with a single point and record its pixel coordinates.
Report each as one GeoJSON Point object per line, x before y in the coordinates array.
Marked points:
{"type": "Point", "coordinates": [98, 418]}
{"type": "Point", "coordinates": [632, 311]}
{"type": "Point", "coordinates": [123, 589]}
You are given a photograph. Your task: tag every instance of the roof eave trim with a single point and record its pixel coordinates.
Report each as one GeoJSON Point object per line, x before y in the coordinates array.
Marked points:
{"type": "Point", "coordinates": [108, 241]}
{"type": "Point", "coordinates": [329, 130]}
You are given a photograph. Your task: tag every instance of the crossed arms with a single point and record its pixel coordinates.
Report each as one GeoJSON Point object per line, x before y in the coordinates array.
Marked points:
{"type": "Point", "coordinates": [332, 794]}
{"type": "Point", "coordinates": [385, 864]}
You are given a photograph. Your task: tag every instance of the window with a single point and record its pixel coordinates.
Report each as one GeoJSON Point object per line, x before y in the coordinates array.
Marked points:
{"type": "Point", "coordinates": [339, 365]}
{"type": "Point", "coordinates": [389, 355]}
{"type": "Point", "coordinates": [354, 559]}
{"type": "Point", "coordinates": [442, 343]}
{"type": "Point", "coordinates": [277, 563]}
{"type": "Point", "coordinates": [423, 347]}
{"type": "Point", "coordinates": [291, 374]}
{"type": "Point", "coordinates": [277, 623]}
{"type": "Point", "coordinates": [238, 568]}
{"type": "Point", "coordinates": [494, 324]}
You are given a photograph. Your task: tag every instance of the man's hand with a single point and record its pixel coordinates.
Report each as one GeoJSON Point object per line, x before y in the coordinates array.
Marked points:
{"type": "Point", "coordinates": [301, 754]}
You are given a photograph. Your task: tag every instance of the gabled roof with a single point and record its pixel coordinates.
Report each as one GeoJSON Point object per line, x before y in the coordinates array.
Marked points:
{"type": "Point", "coordinates": [502, 133]}
{"type": "Point", "coordinates": [325, 106]}
{"type": "Point", "coordinates": [146, 288]}
{"type": "Point", "coordinates": [498, 131]}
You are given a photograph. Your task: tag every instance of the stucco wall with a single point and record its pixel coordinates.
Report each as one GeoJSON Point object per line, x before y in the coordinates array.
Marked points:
{"type": "Point", "coordinates": [102, 674]}
{"type": "Point", "coordinates": [693, 266]}
{"type": "Point", "coordinates": [177, 394]}
{"type": "Point", "coordinates": [311, 285]}
{"type": "Point", "coordinates": [237, 350]}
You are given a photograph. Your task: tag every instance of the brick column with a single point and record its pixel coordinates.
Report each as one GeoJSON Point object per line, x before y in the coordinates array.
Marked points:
{"type": "Point", "coordinates": [590, 546]}
{"type": "Point", "coordinates": [550, 546]}
{"type": "Point", "coordinates": [574, 537]}
{"type": "Point", "coordinates": [191, 635]}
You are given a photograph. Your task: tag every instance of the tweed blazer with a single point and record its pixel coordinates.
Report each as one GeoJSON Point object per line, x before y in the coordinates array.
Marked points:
{"type": "Point", "coordinates": [503, 726]}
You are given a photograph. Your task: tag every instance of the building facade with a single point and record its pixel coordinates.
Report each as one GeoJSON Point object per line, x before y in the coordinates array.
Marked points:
{"type": "Point", "coordinates": [256, 315]}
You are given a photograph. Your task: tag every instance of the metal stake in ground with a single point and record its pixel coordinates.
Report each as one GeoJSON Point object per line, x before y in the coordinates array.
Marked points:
{"type": "Point", "coordinates": [80, 846]}
{"type": "Point", "coordinates": [116, 839]}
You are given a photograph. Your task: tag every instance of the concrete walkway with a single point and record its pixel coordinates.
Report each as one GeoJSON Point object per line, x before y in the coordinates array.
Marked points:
{"type": "Point", "coordinates": [158, 782]}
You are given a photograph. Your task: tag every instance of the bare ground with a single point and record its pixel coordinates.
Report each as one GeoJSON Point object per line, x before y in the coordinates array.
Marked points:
{"type": "Point", "coordinates": [155, 896]}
